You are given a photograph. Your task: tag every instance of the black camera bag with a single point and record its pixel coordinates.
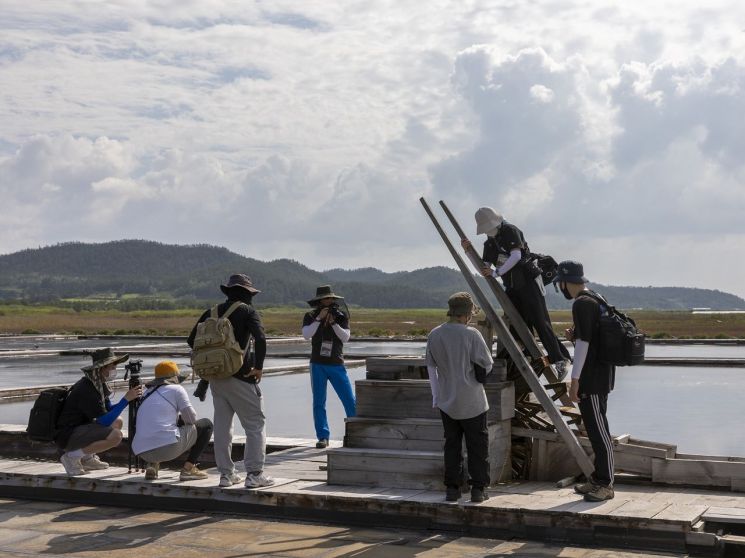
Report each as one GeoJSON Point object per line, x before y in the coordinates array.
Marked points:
{"type": "Point", "coordinates": [619, 341]}
{"type": "Point", "coordinates": [548, 267]}
{"type": "Point", "coordinates": [42, 421]}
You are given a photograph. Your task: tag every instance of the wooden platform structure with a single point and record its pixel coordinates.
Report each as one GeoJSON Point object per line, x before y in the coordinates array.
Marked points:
{"type": "Point", "coordinates": [642, 517]}
{"type": "Point", "coordinates": [396, 439]}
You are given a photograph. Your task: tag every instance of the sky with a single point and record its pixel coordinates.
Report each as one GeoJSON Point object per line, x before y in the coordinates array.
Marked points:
{"type": "Point", "coordinates": [612, 133]}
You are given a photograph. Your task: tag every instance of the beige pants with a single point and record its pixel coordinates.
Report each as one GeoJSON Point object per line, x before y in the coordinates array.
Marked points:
{"type": "Point", "coordinates": [187, 438]}
{"type": "Point", "coordinates": [231, 397]}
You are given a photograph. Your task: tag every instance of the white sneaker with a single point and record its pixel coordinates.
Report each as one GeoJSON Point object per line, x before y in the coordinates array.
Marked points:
{"type": "Point", "coordinates": [257, 480]}
{"type": "Point", "coordinates": [93, 463]}
{"type": "Point", "coordinates": [229, 480]}
{"type": "Point", "coordinates": [72, 465]}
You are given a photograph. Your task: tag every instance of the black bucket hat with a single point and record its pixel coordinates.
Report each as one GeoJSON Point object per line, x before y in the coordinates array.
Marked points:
{"type": "Point", "coordinates": [104, 357]}
{"type": "Point", "coordinates": [239, 280]}
{"type": "Point", "coordinates": [570, 272]}
{"type": "Point", "coordinates": [324, 291]}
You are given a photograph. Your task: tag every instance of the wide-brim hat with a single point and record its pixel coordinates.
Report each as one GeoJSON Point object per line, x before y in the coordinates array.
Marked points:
{"type": "Point", "coordinates": [239, 280]}
{"type": "Point", "coordinates": [459, 304]}
{"type": "Point", "coordinates": [324, 291]}
{"type": "Point", "coordinates": [570, 272]}
{"type": "Point", "coordinates": [167, 372]}
{"type": "Point", "coordinates": [104, 357]}
{"type": "Point", "coordinates": [487, 219]}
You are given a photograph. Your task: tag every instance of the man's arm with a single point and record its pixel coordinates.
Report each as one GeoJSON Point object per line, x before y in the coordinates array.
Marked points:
{"type": "Point", "coordinates": [188, 414]}
{"type": "Point", "coordinates": [310, 325]}
{"type": "Point", "coordinates": [256, 330]}
{"type": "Point", "coordinates": [515, 256]}
{"type": "Point", "coordinates": [433, 385]}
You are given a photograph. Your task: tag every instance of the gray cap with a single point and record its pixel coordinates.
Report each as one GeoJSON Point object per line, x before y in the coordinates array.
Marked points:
{"type": "Point", "coordinates": [460, 304]}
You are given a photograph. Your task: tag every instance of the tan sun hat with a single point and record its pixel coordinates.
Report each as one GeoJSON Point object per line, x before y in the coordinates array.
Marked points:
{"type": "Point", "coordinates": [460, 304]}
{"type": "Point", "coordinates": [104, 357]}
{"type": "Point", "coordinates": [487, 219]}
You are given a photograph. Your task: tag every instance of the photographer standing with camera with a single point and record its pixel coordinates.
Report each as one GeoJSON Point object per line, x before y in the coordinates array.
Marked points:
{"type": "Point", "coordinates": [327, 326]}
{"type": "Point", "coordinates": [89, 423]}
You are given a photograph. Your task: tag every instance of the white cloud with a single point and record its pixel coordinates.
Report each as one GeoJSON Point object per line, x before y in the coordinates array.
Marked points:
{"type": "Point", "coordinates": [309, 131]}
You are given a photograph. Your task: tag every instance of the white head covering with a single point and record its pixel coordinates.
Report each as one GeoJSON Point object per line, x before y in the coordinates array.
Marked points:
{"type": "Point", "coordinates": [487, 220]}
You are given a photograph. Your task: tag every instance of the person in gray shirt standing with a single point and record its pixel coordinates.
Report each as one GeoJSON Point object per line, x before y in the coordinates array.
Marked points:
{"type": "Point", "coordinates": [458, 361]}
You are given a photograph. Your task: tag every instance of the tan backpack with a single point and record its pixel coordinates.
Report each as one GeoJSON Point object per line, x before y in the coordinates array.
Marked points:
{"type": "Point", "coordinates": [216, 353]}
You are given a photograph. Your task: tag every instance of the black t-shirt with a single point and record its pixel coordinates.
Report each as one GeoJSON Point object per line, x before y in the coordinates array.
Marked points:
{"type": "Point", "coordinates": [326, 334]}
{"type": "Point", "coordinates": [597, 377]}
{"type": "Point", "coordinates": [246, 323]}
{"type": "Point", "coordinates": [508, 239]}
{"type": "Point", "coordinates": [83, 405]}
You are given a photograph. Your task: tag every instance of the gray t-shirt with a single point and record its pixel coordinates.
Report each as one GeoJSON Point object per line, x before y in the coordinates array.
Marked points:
{"type": "Point", "coordinates": [453, 348]}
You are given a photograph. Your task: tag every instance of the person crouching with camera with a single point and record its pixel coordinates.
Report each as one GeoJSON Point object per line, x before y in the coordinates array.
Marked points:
{"type": "Point", "coordinates": [89, 423]}
{"type": "Point", "coordinates": [167, 425]}
{"type": "Point", "coordinates": [327, 326]}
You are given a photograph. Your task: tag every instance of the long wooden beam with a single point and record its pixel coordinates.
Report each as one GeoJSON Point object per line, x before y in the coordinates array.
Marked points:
{"type": "Point", "coordinates": [517, 356]}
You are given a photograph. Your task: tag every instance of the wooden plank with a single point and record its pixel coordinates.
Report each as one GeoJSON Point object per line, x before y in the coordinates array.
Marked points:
{"type": "Point", "coordinates": [698, 457]}
{"type": "Point", "coordinates": [724, 515]}
{"type": "Point", "coordinates": [639, 508]}
{"type": "Point", "coordinates": [707, 473]}
{"type": "Point", "coordinates": [670, 449]}
{"type": "Point", "coordinates": [393, 479]}
{"type": "Point", "coordinates": [392, 443]}
{"type": "Point", "coordinates": [681, 512]}
{"type": "Point", "coordinates": [413, 399]}
{"type": "Point", "coordinates": [514, 350]}
{"type": "Point", "coordinates": [430, 429]}
{"type": "Point", "coordinates": [425, 463]}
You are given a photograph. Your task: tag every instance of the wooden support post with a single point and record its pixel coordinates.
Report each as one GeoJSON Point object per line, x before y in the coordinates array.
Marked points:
{"type": "Point", "coordinates": [517, 356]}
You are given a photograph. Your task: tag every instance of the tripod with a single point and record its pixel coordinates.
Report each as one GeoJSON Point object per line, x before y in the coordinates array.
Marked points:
{"type": "Point", "coordinates": [132, 369]}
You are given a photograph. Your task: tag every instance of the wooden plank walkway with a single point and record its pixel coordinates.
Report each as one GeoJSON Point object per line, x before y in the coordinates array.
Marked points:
{"type": "Point", "coordinates": [647, 517]}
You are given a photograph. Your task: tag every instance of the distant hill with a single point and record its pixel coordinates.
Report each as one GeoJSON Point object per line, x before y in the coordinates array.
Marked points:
{"type": "Point", "coordinates": [140, 268]}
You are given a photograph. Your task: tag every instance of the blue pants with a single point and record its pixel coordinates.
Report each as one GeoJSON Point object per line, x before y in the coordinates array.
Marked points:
{"type": "Point", "coordinates": [337, 375]}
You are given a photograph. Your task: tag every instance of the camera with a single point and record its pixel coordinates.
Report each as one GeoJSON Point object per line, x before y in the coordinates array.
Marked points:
{"type": "Point", "coordinates": [201, 391]}
{"type": "Point", "coordinates": [336, 312]}
{"type": "Point", "coordinates": [132, 369]}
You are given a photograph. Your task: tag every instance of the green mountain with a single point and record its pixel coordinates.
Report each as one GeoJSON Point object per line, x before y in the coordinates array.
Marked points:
{"type": "Point", "coordinates": [142, 270]}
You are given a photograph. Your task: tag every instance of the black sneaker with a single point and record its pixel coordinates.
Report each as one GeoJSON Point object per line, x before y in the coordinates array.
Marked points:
{"type": "Point", "coordinates": [322, 443]}
{"type": "Point", "coordinates": [452, 494]}
{"type": "Point", "coordinates": [478, 495]}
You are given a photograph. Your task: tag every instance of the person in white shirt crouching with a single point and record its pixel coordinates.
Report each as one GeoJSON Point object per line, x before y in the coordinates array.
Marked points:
{"type": "Point", "coordinates": [167, 425]}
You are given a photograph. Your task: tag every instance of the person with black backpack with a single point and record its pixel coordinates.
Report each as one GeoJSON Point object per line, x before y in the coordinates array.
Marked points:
{"type": "Point", "coordinates": [238, 392]}
{"type": "Point", "coordinates": [506, 249]}
{"type": "Point", "coordinates": [89, 423]}
{"type": "Point", "coordinates": [592, 377]}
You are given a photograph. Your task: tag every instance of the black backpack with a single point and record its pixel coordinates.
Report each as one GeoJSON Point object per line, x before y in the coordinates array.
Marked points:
{"type": "Point", "coordinates": [42, 421]}
{"type": "Point", "coordinates": [547, 266]}
{"type": "Point", "coordinates": [619, 341]}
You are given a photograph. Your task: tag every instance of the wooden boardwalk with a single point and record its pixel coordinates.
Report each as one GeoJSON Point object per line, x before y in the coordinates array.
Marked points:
{"type": "Point", "coordinates": [646, 517]}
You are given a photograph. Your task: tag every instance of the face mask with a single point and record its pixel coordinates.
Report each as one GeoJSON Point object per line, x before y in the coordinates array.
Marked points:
{"type": "Point", "coordinates": [565, 292]}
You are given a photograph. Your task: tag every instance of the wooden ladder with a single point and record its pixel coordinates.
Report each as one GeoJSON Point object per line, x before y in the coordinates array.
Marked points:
{"type": "Point", "coordinates": [525, 368]}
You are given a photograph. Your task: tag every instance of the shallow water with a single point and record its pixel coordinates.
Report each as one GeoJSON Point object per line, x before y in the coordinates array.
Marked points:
{"type": "Point", "coordinates": [697, 408]}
